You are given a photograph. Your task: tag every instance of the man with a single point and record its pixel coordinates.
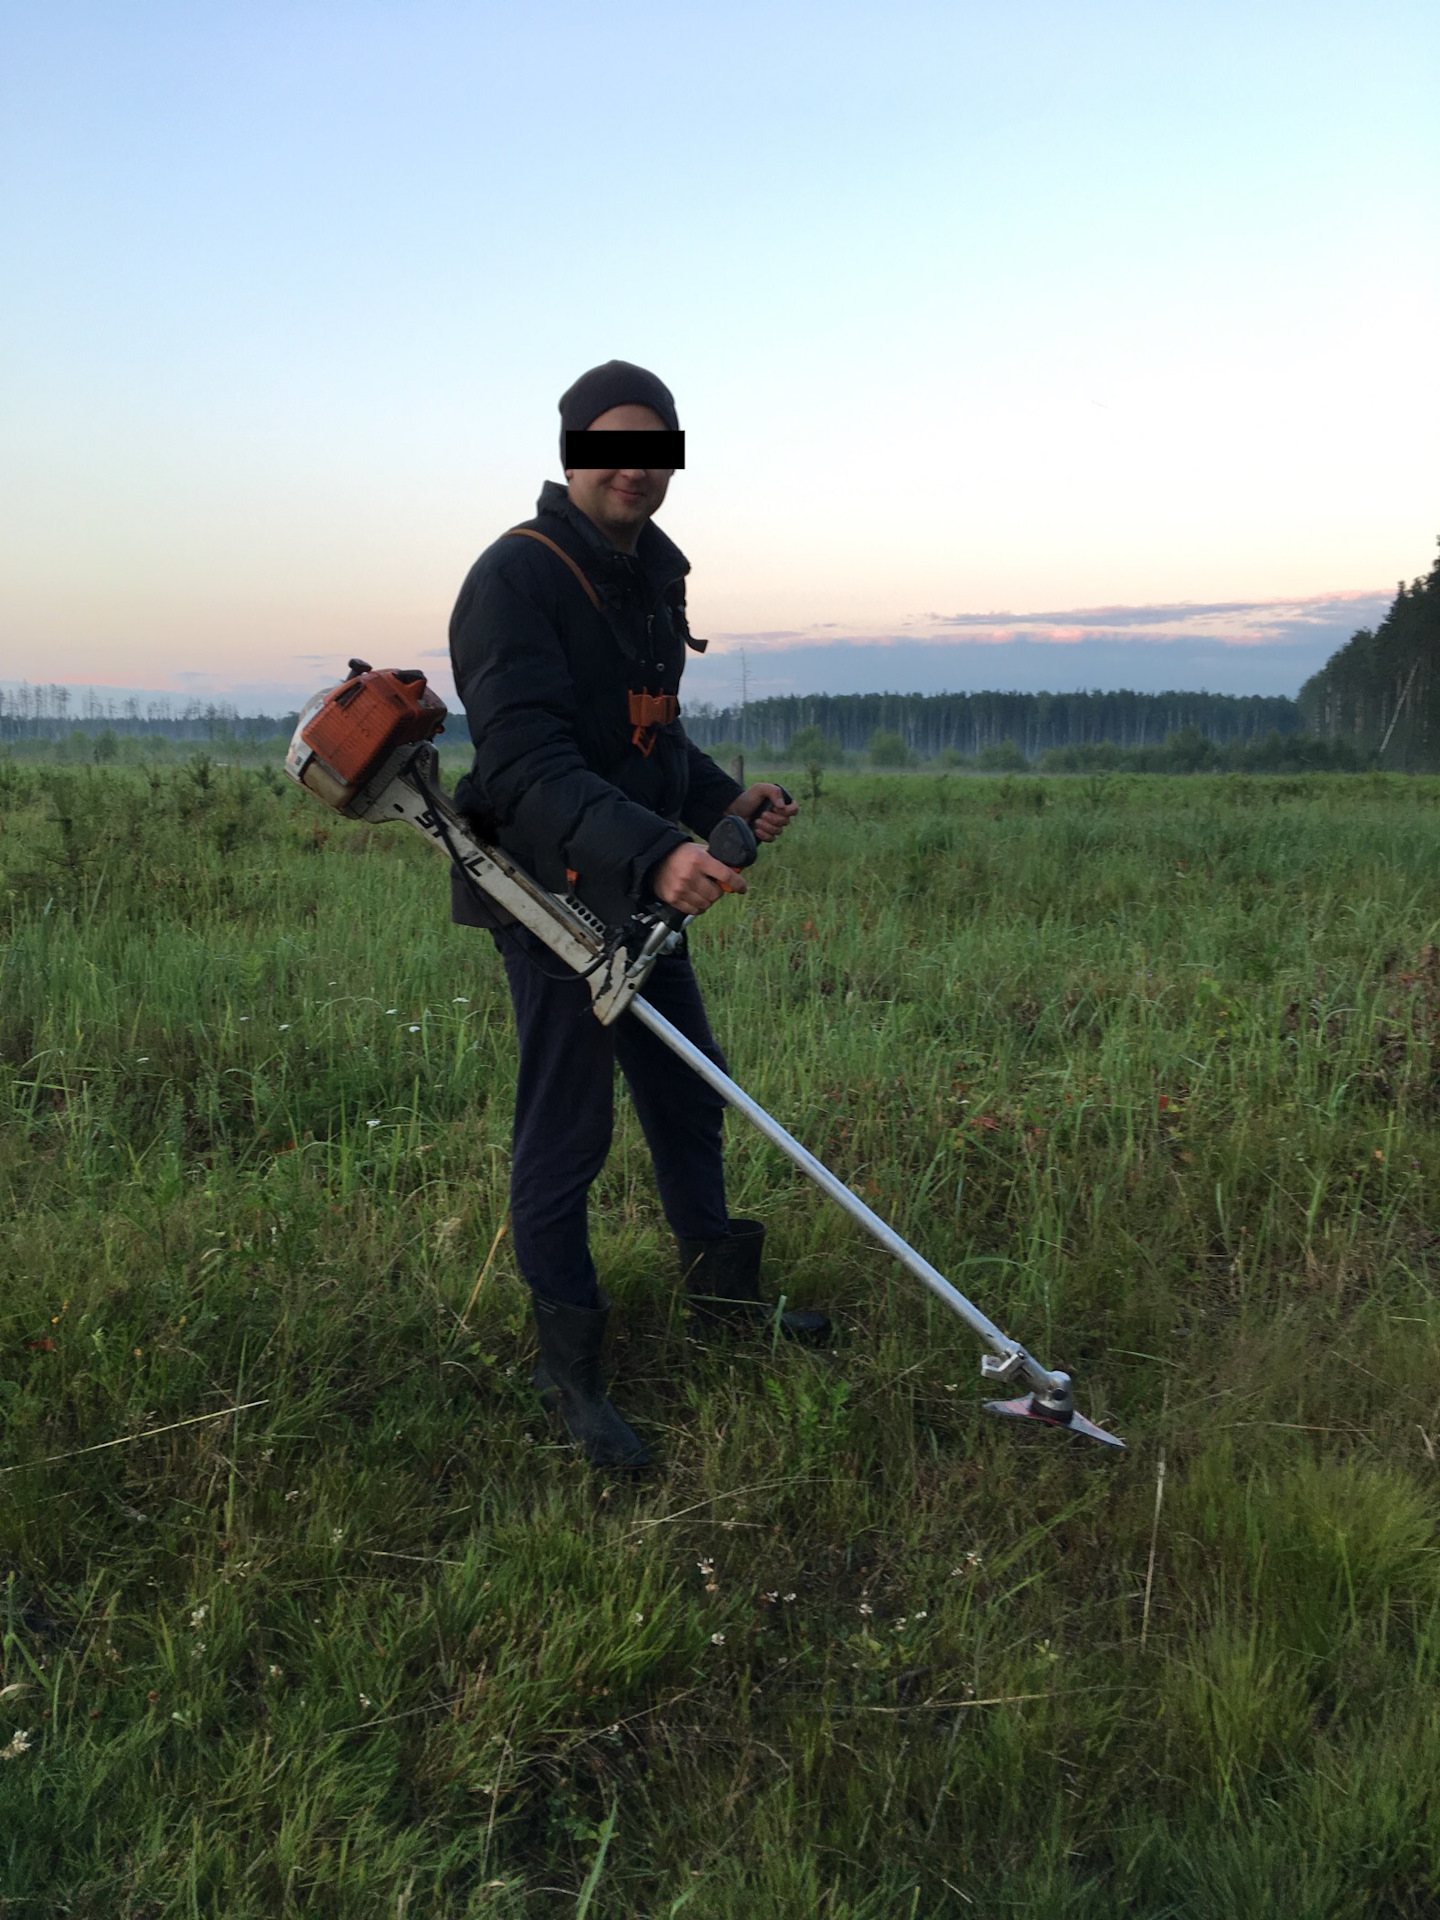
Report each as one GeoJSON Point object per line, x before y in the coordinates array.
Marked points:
{"type": "Point", "coordinates": [568, 642]}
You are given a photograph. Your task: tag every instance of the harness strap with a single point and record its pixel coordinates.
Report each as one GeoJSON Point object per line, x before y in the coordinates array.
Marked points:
{"type": "Point", "coordinates": [647, 712]}
{"type": "Point", "coordinates": [529, 533]}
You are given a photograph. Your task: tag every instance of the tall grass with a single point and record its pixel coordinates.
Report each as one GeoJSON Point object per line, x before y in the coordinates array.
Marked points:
{"type": "Point", "coordinates": [1148, 1067]}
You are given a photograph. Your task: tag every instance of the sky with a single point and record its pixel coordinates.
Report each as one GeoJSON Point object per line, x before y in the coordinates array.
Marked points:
{"type": "Point", "coordinates": [1045, 344]}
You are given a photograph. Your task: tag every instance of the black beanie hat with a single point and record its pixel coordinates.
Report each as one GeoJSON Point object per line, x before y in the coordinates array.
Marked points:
{"type": "Point", "coordinates": [616, 384]}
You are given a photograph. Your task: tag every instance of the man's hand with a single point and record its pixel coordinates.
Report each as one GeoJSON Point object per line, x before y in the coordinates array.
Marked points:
{"type": "Point", "coordinates": [776, 817]}
{"type": "Point", "coordinates": [692, 879]}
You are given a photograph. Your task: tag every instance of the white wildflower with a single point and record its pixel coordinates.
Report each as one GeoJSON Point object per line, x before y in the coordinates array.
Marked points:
{"type": "Point", "coordinates": [717, 1639]}
{"type": "Point", "coordinates": [274, 1671]}
{"type": "Point", "coordinates": [293, 1494]}
{"type": "Point", "coordinates": [197, 1618]}
{"type": "Point", "coordinates": [787, 1596]}
{"type": "Point", "coordinates": [19, 1743]}
{"type": "Point", "coordinates": [337, 1534]}
{"type": "Point", "coordinates": [372, 1123]}
{"type": "Point", "coordinates": [706, 1567]}
{"type": "Point", "coordinates": [866, 1608]}
{"type": "Point", "coordinates": [637, 1619]}
{"type": "Point", "coordinates": [365, 1701]}
{"type": "Point", "coordinates": [284, 1026]}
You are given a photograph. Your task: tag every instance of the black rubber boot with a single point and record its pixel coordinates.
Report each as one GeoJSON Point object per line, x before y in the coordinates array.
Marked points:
{"type": "Point", "coordinates": [569, 1383]}
{"type": "Point", "coordinates": [722, 1278]}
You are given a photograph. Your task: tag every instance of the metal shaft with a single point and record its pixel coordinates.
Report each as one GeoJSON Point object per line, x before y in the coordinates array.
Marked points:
{"type": "Point", "coordinates": [737, 1097]}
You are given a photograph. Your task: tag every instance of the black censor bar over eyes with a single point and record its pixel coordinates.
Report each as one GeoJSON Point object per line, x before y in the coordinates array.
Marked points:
{"type": "Point", "coordinates": [644, 447]}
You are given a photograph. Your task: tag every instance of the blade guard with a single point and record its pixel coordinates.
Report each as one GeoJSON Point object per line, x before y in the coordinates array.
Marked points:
{"type": "Point", "coordinates": [1052, 1408]}
{"type": "Point", "coordinates": [345, 733]}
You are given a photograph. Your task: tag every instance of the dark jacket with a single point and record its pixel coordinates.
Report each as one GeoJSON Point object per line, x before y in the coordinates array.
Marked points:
{"type": "Point", "coordinates": [546, 677]}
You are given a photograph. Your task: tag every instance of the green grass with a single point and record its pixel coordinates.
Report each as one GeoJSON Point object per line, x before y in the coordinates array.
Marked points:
{"type": "Point", "coordinates": [1148, 1067]}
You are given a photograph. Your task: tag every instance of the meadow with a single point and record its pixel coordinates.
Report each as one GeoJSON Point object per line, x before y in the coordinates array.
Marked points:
{"type": "Point", "coordinates": [305, 1611]}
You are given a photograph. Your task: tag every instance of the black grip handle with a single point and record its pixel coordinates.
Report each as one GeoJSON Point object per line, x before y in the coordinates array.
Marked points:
{"type": "Point", "coordinates": [733, 820]}
{"type": "Point", "coordinates": [766, 803]}
{"type": "Point", "coordinates": [733, 841]}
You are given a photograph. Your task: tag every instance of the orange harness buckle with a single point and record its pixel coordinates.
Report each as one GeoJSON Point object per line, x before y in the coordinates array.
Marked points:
{"type": "Point", "coordinates": [648, 711]}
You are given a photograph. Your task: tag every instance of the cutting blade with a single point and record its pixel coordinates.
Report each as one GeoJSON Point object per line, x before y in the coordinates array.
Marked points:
{"type": "Point", "coordinates": [1026, 1409]}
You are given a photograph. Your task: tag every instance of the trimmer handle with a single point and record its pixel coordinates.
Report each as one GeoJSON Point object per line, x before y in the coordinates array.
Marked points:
{"type": "Point", "coordinates": [785, 795]}
{"type": "Point", "coordinates": [732, 842]}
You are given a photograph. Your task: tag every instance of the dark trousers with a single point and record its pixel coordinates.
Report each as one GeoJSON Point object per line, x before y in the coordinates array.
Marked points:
{"type": "Point", "coordinates": [564, 1113]}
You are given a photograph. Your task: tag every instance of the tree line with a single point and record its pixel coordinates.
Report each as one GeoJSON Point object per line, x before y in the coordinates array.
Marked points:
{"type": "Point", "coordinates": [51, 712]}
{"type": "Point", "coordinates": [1381, 691]}
{"type": "Point", "coordinates": [933, 724]}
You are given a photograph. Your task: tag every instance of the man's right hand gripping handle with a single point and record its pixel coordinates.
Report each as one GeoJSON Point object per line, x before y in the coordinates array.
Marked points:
{"type": "Point", "coordinates": [693, 877]}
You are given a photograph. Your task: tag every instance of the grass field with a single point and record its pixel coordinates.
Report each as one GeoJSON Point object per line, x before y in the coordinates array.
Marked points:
{"type": "Point", "coordinates": [1148, 1067]}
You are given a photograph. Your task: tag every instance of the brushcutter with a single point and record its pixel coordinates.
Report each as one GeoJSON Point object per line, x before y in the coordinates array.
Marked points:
{"type": "Point", "coordinates": [365, 748]}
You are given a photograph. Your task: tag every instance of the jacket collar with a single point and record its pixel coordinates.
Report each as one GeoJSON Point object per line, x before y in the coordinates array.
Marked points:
{"type": "Point", "coordinates": [656, 553]}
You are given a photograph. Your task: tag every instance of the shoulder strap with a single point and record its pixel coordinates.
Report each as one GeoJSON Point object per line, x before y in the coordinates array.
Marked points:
{"type": "Point", "coordinates": [529, 533]}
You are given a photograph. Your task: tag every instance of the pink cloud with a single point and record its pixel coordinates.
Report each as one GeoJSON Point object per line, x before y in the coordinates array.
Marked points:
{"type": "Point", "coordinates": [1239, 624]}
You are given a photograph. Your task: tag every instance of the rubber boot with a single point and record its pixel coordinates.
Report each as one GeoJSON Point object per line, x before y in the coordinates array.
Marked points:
{"type": "Point", "coordinates": [722, 1278]}
{"type": "Point", "coordinates": [569, 1383]}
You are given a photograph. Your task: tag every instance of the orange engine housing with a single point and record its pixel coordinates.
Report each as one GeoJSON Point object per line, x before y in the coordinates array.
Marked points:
{"type": "Point", "coordinates": [345, 733]}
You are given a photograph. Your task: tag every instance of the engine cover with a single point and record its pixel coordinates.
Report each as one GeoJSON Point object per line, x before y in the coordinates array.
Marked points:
{"type": "Point", "coordinates": [346, 732]}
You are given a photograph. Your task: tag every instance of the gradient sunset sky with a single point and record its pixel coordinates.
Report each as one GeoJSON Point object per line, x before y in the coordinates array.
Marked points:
{"type": "Point", "coordinates": [980, 319]}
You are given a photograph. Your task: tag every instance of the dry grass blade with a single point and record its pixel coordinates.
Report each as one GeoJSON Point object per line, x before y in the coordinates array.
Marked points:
{"type": "Point", "coordinates": [1154, 1536]}
{"type": "Point", "coordinates": [997, 1699]}
{"type": "Point", "coordinates": [500, 1233]}
{"type": "Point", "coordinates": [130, 1439]}
{"type": "Point", "coordinates": [760, 1486]}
